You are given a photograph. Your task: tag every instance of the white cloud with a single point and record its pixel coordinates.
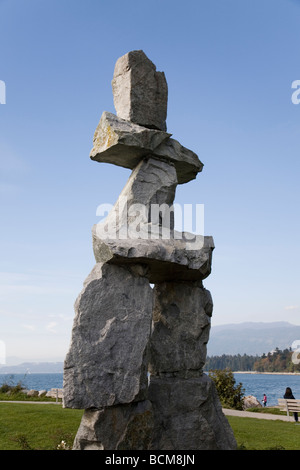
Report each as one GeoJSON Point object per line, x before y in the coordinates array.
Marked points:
{"type": "Point", "coordinates": [52, 327]}
{"type": "Point", "coordinates": [61, 316]}
{"type": "Point", "coordinates": [29, 327]}
{"type": "Point", "coordinates": [291, 307]}
{"type": "Point", "coordinates": [30, 284]}
{"type": "Point", "coordinates": [2, 352]}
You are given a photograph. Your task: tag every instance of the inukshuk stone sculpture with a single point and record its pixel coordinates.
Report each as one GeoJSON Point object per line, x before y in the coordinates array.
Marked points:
{"type": "Point", "coordinates": [124, 329]}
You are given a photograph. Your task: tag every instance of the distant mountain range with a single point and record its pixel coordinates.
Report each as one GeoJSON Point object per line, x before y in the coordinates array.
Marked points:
{"type": "Point", "coordinates": [252, 338]}
{"type": "Point", "coordinates": [33, 368]}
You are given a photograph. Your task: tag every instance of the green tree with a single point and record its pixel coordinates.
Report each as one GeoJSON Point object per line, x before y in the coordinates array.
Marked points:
{"type": "Point", "coordinates": [230, 394]}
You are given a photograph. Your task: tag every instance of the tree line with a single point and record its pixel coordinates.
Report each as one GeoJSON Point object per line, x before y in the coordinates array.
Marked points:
{"type": "Point", "coordinates": [275, 361]}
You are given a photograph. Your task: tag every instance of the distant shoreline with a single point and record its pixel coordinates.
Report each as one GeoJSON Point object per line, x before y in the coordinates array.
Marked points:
{"type": "Point", "coordinates": [265, 373]}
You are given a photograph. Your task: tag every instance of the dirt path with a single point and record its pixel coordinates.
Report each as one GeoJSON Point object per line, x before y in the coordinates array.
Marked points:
{"type": "Point", "coordinates": [249, 414]}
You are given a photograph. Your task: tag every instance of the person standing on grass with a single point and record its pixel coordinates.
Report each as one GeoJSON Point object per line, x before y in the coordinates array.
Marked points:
{"type": "Point", "coordinates": [265, 399]}
{"type": "Point", "coordinates": [289, 396]}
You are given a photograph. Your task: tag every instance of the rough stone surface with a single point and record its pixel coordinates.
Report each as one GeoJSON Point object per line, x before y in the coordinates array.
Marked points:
{"type": "Point", "coordinates": [121, 427]}
{"type": "Point", "coordinates": [32, 393]}
{"type": "Point", "coordinates": [124, 143]}
{"type": "Point", "coordinates": [186, 162]}
{"type": "Point", "coordinates": [163, 259]}
{"type": "Point", "coordinates": [250, 401]}
{"type": "Point", "coordinates": [55, 393]}
{"type": "Point", "coordinates": [140, 92]}
{"type": "Point", "coordinates": [129, 235]}
{"type": "Point", "coordinates": [181, 317]}
{"type": "Point", "coordinates": [152, 182]}
{"type": "Point", "coordinates": [107, 360]}
{"type": "Point", "coordinates": [188, 415]}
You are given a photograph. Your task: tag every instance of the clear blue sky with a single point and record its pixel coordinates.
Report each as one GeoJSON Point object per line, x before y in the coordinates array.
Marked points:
{"type": "Point", "coordinates": [229, 66]}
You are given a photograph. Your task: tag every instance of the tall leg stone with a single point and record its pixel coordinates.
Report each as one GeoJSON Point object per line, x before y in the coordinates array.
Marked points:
{"type": "Point", "coordinates": [187, 412]}
{"type": "Point", "coordinates": [181, 328]}
{"type": "Point", "coordinates": [107, 360]}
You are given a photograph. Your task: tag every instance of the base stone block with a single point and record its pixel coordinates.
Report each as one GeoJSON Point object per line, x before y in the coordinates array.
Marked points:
{"type": "Point", "coordinates": [122, 427]}
{"type": "Point", "coordinates": [188, 415]}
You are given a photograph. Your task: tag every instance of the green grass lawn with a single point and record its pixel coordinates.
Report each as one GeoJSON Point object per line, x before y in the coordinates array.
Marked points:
{"type": "Point", "coordinates": [36, 427]}
{"type": "Point", "coordinates": [261, 434]}
{"type": "Point", "coordinates": [43, 427]}
{"type": "Point", "coordinates": [23, 397]}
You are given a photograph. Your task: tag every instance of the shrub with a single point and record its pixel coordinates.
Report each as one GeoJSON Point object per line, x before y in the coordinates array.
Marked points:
{"type": "Point", "coordinates": [230, 394]}
{"type": "Point", "coordinates": [11, 388]}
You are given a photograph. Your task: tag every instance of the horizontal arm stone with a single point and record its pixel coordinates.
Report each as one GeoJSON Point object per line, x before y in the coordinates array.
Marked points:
{"type": "Point", "coordinates": [124, 143]}
{"type": "Point", "coordinates": [164, 259]}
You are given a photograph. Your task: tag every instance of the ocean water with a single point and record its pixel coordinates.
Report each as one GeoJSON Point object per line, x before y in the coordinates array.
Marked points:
{"type": "Point", "coordinates": [254, 384]}
{"type": "Point", "coordinates": [273, 385]}
{"type": "Point", "coordinates": [34, 381]}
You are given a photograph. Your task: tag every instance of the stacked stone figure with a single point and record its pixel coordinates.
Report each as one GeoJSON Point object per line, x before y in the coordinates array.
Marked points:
{"type": "Point", "coordinates": [135, 363]}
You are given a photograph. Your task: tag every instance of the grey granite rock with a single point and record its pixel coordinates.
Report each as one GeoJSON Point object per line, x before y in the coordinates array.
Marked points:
{"type": "Point", "coordinates": [140, 228]}
{"type": "Point", "coordinates": [121, 427]}
{"type": "Point", "coordinates": [151, 184]}
{"type": "Point", "coordinates": [186, 162]}
{"type": "Point", "coordinates": [124, 143]}
{"type": "Point", "coordinates": [164, 259]}
{"type": "Point", "coordinates": [140, 92]}
{"type": "Point", "coordinates": [107, 359]}
{"type": "Point", "coordinates": [188, 415]}
{"type": "Point", "coordinates": [181, 327]}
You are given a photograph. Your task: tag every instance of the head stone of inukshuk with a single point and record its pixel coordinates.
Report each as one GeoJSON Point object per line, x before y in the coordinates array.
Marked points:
{"type": "Point", "coordinates": [135, 362]}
